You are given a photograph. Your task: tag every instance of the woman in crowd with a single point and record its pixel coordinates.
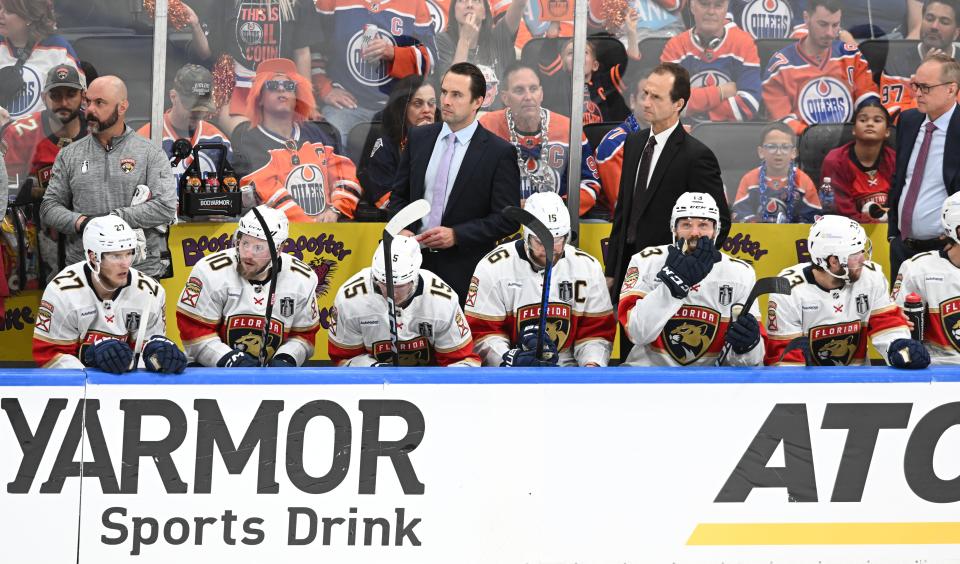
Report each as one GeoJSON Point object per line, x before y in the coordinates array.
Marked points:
{"type": "Point", "coordinates": [413, 102]}
{"type": "Point", "coordinates": [29, 48]}
{"type": "Point", "coordinates": [861, 171]}
{"type": "Point", "coordinates": [777, 191]}
{"type": "Point", "coordinates": [472, 37]}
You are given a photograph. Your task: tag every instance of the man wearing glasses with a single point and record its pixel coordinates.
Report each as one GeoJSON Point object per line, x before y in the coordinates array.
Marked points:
{"type": "Point", "coordinates": [925, 174]}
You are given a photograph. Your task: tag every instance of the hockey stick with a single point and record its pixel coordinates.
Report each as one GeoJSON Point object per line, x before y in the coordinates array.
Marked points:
{"type": "Point", "coordinates": [411, 213]}
{"type": "Point", "coordinates": [769, 285]}
{"type": "Point", "coordinates": [525, 218]}
{"type": "Point", "coordinates": [141, 334]}
{"type": "Point", "coordinates": [275, 272]}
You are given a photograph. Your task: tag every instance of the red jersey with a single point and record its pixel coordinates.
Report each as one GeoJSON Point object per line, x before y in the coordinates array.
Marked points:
{"type": "Point", "coordinates": [854, 185]}
{"type": "Point", "coordinates": [31, 146]}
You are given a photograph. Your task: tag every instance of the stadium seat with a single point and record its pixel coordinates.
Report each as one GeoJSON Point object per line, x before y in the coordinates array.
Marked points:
{"type": "Point", "coordinates": [360, 141]}
{"type": "Point", "coordinates": [766, 48]}
{"type": "Point", "coordinates": [596, 131]}
{"type": "Point", "coordinates": [735, 145]}
{"type": "Point", "coordinates": [332, 132]}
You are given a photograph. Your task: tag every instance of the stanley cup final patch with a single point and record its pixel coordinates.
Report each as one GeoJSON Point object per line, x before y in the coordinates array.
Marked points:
{"type": "Point", "coordinates": [286, 307]}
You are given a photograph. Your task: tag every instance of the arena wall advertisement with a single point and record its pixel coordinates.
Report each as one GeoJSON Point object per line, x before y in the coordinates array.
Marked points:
{"type": "Point", "coordinates": [337, 251]}
{"type": "Point", "coordinates": [499, 465]}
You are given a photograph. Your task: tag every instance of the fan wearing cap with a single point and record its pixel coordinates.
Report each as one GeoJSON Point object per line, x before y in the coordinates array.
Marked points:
{"type": "Point", "coordinates": [90, 314]}
{"type": "Point", "coordinates": [431, 329]}
{"type": "Point", "coordinates": [838, 301]}
{"type": "Point", "coordinates": [290, 163]}
{"type": "Point", "coordinates": [222, 308]}
{"type": "Point", "coordinates": [505, 296]}
{"type": "Point", "coordinates": [677, 301]}
{"type": "Point", "coordinates": [191, 102]}
{"type": "Point", "coordinates": [933, 277]}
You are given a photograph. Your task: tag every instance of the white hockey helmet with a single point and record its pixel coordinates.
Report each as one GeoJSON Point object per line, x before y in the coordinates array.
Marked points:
{"type": "Point", "coordinates": [696, 204]}
{"type": "Point", "coordinates": [551, 210]}
{"type": "Point", "coordinates": [950, 216]}
{"type": "Point", "coordinates": [276, 221]}
{"type": "Point", "coordinates": [106, 234]}
{"type": "Point", "coordinates": [406, 261]}
{"type": "Point", "coordinates": [837, 236]}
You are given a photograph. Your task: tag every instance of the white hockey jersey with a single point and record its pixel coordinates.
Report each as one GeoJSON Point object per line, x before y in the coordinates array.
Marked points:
{"type": "Point", "coordinates": [937, 281]}
{"type": "Point", "coordinates": [72, 317]}
{"type": "Point", "coordinates": [837, 322]}
{"type": "Point", "coordinates": [431, 329]}
{"type": "Point", "coordinates": [667, 331]}
{"type": "Point", "coordinates": [219, 311]}
{"type": "Point", "coordinates": [505, 295]}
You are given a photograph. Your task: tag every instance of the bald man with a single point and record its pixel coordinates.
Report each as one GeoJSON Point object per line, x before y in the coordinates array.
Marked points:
{"type": "Point", "coordinates": [100, 174]}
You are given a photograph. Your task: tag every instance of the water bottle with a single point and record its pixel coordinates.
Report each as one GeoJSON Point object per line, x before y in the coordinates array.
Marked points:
{"type": "Point", "coordinates": [211, 183]}
{"type": "Point", "coordinates": [826, 195]}
{"type": "Point", "coordinates": [913, 309]}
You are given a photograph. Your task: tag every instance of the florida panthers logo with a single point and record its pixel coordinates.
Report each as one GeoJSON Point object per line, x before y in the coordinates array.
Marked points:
{"type": "Point", "coordinates": [950, 318]}
{"type": "Point", "coordinates": [825, 100]}
{"type": "Point", "coordinates": [835, 345]}
{"type": "Point", "coordinates": [307, 185]}
{"type": "Point", "coordinates": [415, 352]}
{"type": "Point", "coordinates": [767, 19]}
{"type": "Point", "coordinates": [690, 333]}
{"type": "Point", "coordinates": [245, 333]}
{"type": "Point", "coordinates": [558, 322]}
{"type": "Point", "coordinates": [493, 86]}
{"type": "Point", "coordinates": [368, 73]}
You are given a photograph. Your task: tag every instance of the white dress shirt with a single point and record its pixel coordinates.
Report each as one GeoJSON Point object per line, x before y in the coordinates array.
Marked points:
{"type": "Point", "coordinates": [926, 212]}
{"type": "Point", "coordinates": [460, 150]}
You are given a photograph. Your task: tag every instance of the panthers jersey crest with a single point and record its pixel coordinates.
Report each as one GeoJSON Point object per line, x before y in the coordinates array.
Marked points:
{"type": "Point", "coordinates": [950, 318]}
{"type": "Point", "coordinates": [245, 332]}
{"type": "Point", "coordinates": [413, 352]}
{"type": "Point", "coordinates": [836, 344]}
{"type": "Point", "coordinates": [687, 336]}
{"type": "Point", "coordinates": [558, 321]}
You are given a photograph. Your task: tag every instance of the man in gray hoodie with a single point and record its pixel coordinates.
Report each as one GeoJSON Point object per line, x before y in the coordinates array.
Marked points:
{"type": "Point", "coordinates": [112, 170]}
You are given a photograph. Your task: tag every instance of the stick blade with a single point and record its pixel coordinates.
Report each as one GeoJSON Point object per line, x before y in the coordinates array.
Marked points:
{"type": "Point", "coordinates": [768, 285]}
{"type": "Point", "coordinates": [411, 213]}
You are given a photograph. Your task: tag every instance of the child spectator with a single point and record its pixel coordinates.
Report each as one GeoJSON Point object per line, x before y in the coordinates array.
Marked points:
{"type": "Point", "coordinates": [861, 170]}
{"type": "Point", "coordinates": [602, 84]}
{"type": "Point", "coordinates": [777, 191]}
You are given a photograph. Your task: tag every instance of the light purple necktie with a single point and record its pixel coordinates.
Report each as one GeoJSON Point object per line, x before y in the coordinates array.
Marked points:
{"type": "Point", "coordinates": [440, 181]}
{"type": "Point", "coordinates": [913, 191]}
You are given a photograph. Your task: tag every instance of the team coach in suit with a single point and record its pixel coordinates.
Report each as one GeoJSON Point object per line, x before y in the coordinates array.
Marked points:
{"type": "Point", "coordinates": [466, 173]}
{"type": "Point", "coordinates": [928, 142]}
{"type": "Point", "coordinates": [659, 164]}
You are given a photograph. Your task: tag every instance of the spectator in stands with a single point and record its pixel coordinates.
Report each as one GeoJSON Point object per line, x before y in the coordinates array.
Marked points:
{"type": "Point", "coordinates": [368, 50]}
{"type": "Point", "coordinates": [29, 48]}
{"type": "Point", "coordinates": [818, 79]}
{"type": "Point", "coordinates": [927, 162]}
{"type": "Point", "coordinates": [472, 37]}
{"type": "Point", "coordinates": [541, 139]}
{"type": "Point", "coordinates": [609, 152]}
{"type": "Point", "coordinates": [777, 191]}
{"type": "Point", "coordinates": [602, 98]}
{"type": "Point", "coordinates": [769, 19]}
{"type": "Point", "coordinates": [102, 173]}
{"type": "Point", "coordinates": [191, 100]}
{"type": "Point", "coordinates": [723, 64]}
{"type": "Point", "coordinates": [658, 18]}
{"type": "Point", "coordinates": [938, 32]}
{"type": "Point", "coordinates": [251, 32]}
{"type": "Point", "coordinates": [412, 103]}
{"type": "Point", "coordinates": [290, 164]}
{"type": "Point", "coordinates": [861, 171]}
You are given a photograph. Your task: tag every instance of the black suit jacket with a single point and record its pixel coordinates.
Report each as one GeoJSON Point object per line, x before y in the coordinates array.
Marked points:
{"type": "Point", "coordinates": [487, 182]}
{"type": "Point", "coordinates": [908, 133]}
{"type": "Point", "coordinates": [685, 165]}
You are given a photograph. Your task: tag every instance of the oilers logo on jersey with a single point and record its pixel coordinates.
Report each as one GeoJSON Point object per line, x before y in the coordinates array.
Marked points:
{"type": "Point", "coordinates": [245, 332]}
{"type": "Point", "coordinates": [369, 73]}
{"type": "Point", "coordinates": [413, 352]}
{"type": "Point", "coordinates": [825, 100]}
{"type": "Point", "coordinates": [306, 184]}
{"type": "Point", "coordinates": [29, 94]}
{"type": "Point", "coordinates": [836, 344]}
{"type": "Point", "coordinates": [690, 332]}
{"type": "Point", "coordinates": [558, 321]}
{"type": "Point", "coordinates": [767, 19]}
{"type": "Point", "coordinates": [259, 32]}
{"type": "Point", "coordinates": [437, 17]}
{"type": "Point", "coordinates": [709, 77]}
{"type": "Point", "coordinates": [950, 319]}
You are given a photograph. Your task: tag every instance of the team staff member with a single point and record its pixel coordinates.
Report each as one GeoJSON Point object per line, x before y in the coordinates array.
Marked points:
{"type": "Point", "coordinates": [468, 175]}
{"type": "Point", "coordinates": [100, 174]}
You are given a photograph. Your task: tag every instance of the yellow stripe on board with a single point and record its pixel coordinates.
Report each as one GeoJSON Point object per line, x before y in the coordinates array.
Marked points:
{"type": "Point", "coordinates": [740, 534]}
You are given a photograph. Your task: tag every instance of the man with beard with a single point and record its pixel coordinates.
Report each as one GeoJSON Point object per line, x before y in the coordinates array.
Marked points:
{"type": "Point", "coordinates": [938, 31]}
{"type": "Point", "coordinates": [105, 173]}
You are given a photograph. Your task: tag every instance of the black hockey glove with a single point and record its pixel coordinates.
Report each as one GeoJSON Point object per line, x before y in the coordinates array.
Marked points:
{"type": "Point", "coordinates": [681, 271]}
{"type": "Point", "coordinates": [237, 359]}
{"type": "Point", "coordinates": [908, 353]}
{"type": "Point", "coordinates": [526, 353]}
{"type": "Point", "coordinates": [283, 360]}
{"type": "Point", "coordinates": [744, 333]}
{"type": "Point", "coordinates": [109, 355]}
{"type": "Point", "coordinates": [160, 354]}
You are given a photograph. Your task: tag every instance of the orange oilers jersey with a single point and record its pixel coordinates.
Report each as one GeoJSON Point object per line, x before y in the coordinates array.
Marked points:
{"type": "Point", "coordinates": [836, 323]}
{"type": "Point", "coordinates": [934, 278]}
{"type": "Point", "coordinates": [549, 163]}
{"type": "Point", "coordinates": [800, 92]}
{"type": "Point", "coordinates": [732, 59]}
{"type": "Point", "coordinates": [304, 183]}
